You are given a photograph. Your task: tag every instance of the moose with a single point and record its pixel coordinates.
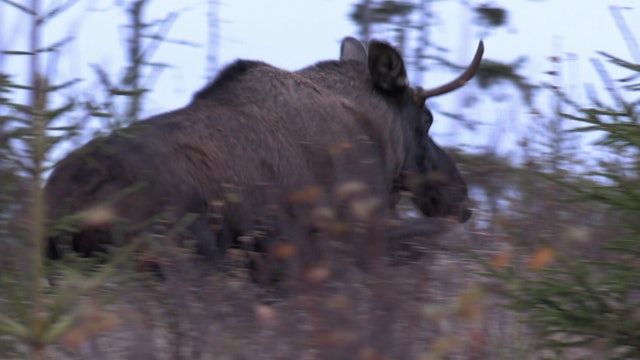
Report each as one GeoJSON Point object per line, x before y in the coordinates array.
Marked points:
{"type": "Point", "coordinates": [257, 138]}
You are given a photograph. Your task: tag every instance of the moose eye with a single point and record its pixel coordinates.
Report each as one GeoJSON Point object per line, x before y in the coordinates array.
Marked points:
{"type": "Point", "coordinates": [428, 118]}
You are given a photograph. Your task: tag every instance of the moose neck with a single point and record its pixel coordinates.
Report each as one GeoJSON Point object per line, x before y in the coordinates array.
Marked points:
{"type": "Point", "coordinates": [350, 81]}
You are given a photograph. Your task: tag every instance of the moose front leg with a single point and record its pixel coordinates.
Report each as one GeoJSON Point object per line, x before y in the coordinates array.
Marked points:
{"type": "Point", "coordinates": [411, 239]}
{"type": "Point", "coordinates": [209, 241]}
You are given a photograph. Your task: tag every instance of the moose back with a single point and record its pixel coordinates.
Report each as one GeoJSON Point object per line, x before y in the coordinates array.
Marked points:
{"type": "Point", "coordinates": [256, 139]}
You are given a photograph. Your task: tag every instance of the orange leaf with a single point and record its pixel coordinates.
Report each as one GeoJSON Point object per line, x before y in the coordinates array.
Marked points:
{"type": "Point", "coordinates": [284, 251]}
{"type": "Point", "coordinates": [541, 258]}
{"type": "Point", "coordinates": [501, 259]}
{"type": "Point", "coordinates": [339, 147]}
{"type": "Point", "coordinates": [93, 322]}
{"type": "Point", "coordinates": [306, 195]}
{"type": "Point", "coordinates": [318, 274]}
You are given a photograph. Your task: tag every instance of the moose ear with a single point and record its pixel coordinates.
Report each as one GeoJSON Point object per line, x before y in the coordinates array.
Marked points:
{"type": "Point", "coordinates": [352, 49]}
{"type": "Point", "coordinates": [386, 67]}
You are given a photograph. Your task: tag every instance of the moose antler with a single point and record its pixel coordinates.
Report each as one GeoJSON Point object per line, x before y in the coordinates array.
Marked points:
{"type": "Point", "coordinates": [459, 81]}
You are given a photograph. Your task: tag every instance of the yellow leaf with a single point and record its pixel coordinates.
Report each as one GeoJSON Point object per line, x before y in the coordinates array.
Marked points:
{"type": "Point", "coordinates": [350, 188]}
{"type": "Point", "coordinates": [265, 314]}
{"type": "Point", "coordinates": [318, 274]}
{"type": "Point", "coordinates": [97, 216]}
{"type": "Point", "coordinates": [577, 233]}
{"type": "Point", "coordinates": [470, 305]}
{"type": "Point", "coordinates": [364, 209]}
{"type": "Point", "coordinates": [444, 345]}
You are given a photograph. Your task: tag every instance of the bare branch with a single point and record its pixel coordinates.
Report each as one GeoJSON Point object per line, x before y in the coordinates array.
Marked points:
{"type": "Point", "coordinates": [57, 10]}
{"type": "Point", "coordinates": [19, 7]}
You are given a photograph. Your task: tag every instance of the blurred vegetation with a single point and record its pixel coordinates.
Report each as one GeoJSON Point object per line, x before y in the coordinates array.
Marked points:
{"type": "Point", "coordinates": [579, 288]}
{"type": "Point", "coordinates": [33, 314]}
{"type": "Point", "coordinates": [592, 301]}
{"type": "Point", "coordinates": [562, 226]}
{"type": "Point", "coordinates": [557, 245]}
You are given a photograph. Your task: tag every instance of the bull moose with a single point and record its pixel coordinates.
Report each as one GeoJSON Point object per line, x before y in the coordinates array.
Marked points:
{"type": "Point", "coordinates": [258, 137]}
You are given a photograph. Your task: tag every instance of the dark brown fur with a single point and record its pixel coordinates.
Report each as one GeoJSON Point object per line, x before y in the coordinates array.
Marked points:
{"type": "Point", "coordinates": [261, 137]}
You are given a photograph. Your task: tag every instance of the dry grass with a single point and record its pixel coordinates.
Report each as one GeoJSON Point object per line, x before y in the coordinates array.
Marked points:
{"type": "Point", "coordinates": [432, 308]}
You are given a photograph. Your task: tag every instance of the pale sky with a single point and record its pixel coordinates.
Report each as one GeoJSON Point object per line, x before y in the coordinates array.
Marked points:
{"type": "Point", "coordinates": [292, 34]}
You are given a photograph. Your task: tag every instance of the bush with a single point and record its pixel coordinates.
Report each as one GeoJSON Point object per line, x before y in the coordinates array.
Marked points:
{"type": "Point", "coordinates": [589, 301]}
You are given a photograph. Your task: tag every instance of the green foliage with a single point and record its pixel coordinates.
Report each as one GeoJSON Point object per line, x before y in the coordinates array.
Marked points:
{"type": "Point", "coordinates": [122, 98]}
{"type": "Point", "coordinates": [381, 12]}
{"type": "Point", "coordinates": [491, 15]}
{"type": "Point", "coordinates": [33, 314]}
{"type": "Point", "coordinates": [493, 72]}
{"type": "Point", "coordinates": [578, 302]}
